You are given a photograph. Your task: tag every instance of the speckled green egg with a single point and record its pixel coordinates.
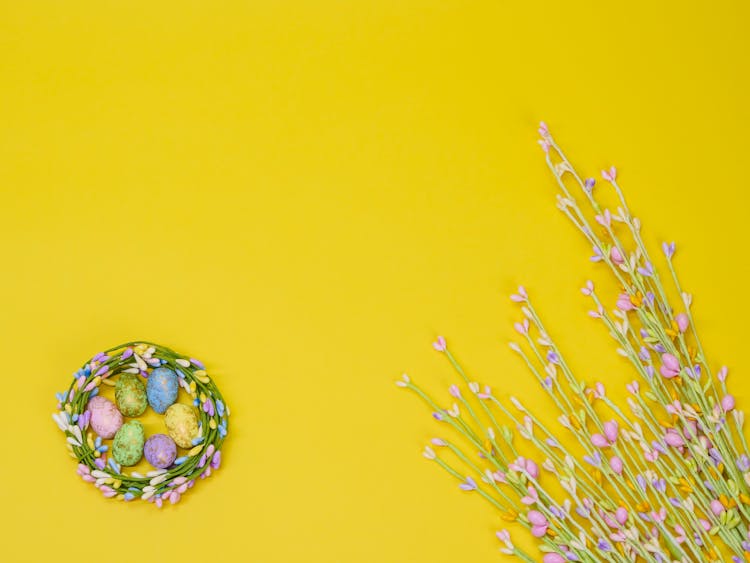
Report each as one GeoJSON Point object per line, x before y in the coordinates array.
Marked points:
{"type": "Point", "coordinates": [130, 395]}
{"type": "Point", "coordinates": [127, 448]}
{"type": "Point", "coordinates": [182, 424]}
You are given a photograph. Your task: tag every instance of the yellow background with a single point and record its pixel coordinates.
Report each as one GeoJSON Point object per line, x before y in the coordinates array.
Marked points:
{"type": "Point", "coordinates": [303, 194]}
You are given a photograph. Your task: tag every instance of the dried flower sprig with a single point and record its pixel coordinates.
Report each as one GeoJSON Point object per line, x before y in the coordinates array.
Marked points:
{"type": "Point", "coordinates": [161, 485]}
{"type": "Point", "coordinates": [665, 481]}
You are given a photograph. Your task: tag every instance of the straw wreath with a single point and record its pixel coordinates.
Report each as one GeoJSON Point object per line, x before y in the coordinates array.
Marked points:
{"type": "Point", "coordinates": [94, 466]}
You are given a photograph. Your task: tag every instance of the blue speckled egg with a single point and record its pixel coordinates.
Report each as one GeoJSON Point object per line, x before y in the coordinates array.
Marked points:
{"type": "Point", "coordinates": [161, 389]}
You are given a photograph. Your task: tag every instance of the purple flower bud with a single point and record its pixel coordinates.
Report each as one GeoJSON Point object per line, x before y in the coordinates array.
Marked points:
{"type": "Point", "coordinates": [468, 485]}
{"type": "Point", "coordinates": [642, 483]}
{"type": "Point", "coordinates": [669, 249]}
{"type": "Point", "coordinates": [216, 460]}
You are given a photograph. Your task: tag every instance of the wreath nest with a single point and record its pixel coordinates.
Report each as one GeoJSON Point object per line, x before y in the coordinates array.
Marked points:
{"type": "Point", "coordinates": [200, 458]}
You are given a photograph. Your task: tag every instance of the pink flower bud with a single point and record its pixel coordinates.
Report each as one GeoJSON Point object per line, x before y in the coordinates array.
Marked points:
{"type": "Point", "coordinates": [532, 468]}
{"type": "Point", "coordinates": [691, 429]}
{"type": "Point", "coordinates": [621, 515]}
{"type": "Point", "coordinates": [716, 507]}
{"type": "Point", "coordinates": [537, 518]}
{"type": "Point", "coordinates": [624, 303]}
{"type": "Point", "coordinates": [673, 439]}
{"type": "Point", "coordinates": [670, 361]}
{"type": "Point", "coordinates": [670, 366]}
{"type": "Point", "coordinates": [727, 403]}
{"type": "Point", "coordinates": [722, 374]}
{"type": "Point", "coordinates": [616, 256]}
{"type": "Point", "coordinates": [615, 464]}
{"type": "Point", "coordinates": [553, 558]}
{"type": "Point", "coordinates": [610, 175]}
{"type": "Point", "coordinates": [610, 431]}
{"type": "Point", "coordinates": [682, 322]}
{"type": "Point", "coordinates": [599, 441]}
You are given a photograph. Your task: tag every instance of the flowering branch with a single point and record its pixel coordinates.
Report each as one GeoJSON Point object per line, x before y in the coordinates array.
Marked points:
{"type": "Point", "coordinates": [669, 479]}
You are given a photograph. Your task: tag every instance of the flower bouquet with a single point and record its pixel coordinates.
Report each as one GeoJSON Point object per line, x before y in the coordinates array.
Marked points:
{"type": "Point", "coordinates": [662, 476]}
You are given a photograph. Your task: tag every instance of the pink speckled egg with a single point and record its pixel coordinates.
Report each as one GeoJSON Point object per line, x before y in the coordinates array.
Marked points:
{"type": "Point", "coordinates": [105, 418]}
{"type": "Point", "coordinates": [160, 451]}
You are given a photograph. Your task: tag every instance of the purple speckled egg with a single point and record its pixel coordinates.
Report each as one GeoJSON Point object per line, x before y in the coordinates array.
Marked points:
{"type": "Point", "coordinates": [160, 451]}
{"type": "Point", "coordinates": [106, 420]}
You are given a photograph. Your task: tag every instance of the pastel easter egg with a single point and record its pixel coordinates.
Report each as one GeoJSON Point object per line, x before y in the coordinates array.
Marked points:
{"type": "Point", "coordinates": [127, 447]}
{"type": "Point", "coordinates": [182, 424]}
{"type": "Point", "coordinates": [130, 395]}
{"type": "Point", "coordinates": [161, 389]}
{"type": "Point", "coordinates": [106, 420]}
{"type": "Point", "coordinates": [160, 451]}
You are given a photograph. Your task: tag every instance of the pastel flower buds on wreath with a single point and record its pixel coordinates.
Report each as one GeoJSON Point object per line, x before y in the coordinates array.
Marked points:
{"type": "Point", "coordinates": [143, 375]}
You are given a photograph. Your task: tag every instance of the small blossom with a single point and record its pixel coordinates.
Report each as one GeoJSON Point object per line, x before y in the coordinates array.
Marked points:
{"type": "Point", "coordinates": [605, 218]}
{"type": "Point", "coordinates": [647, 270]}
{"type": "Point", "coordinates": [522, 327]}
{"type": "Point", "coordinates": [669, 249]}
{"type": "Point", "coordinates": [722, 374]}
{"type": "Point", "coordinates": [727, 403]}
{"type": "Point", "coordinates": [670, 366]}
{"type": "Point", "coordinates": [468, 485]}
{"type": "Point", "coordinates": [608, 438]}
{"type": "Point", "coordinates": [610, 175]}
{"type": "Point", "coordinates": [508, 547]}
{"type": "Point", "coordinates": [532, 497]}
{"type": "Point", "coordinates": [624, 303]}
{"type": "Point", "coordinates": [404, 381]}
{"type": "Point", "coordinates": [588, 289]}
{"type": "Point", "coordinates": [683, 322]}
{"type": "Point", "coordinates": [616, 256]}
{"type": "Point", "coordinates": [539, 523]}
{"type": "Point", "coordinates": [440, 344]}
{"type": "Point", "coordinates": [615, 463]}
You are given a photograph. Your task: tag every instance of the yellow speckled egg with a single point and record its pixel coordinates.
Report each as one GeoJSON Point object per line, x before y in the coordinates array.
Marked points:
{"type": "Point", "coordinates": [182, 424]}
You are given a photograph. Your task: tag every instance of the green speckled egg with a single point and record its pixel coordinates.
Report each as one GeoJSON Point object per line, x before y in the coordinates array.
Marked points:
{"type": "Point", "coordinates": [130, 395]}
{"type": "Point", "coordinates": [127, 447]}
{"type": "Point", "coordinates": [182, 424]}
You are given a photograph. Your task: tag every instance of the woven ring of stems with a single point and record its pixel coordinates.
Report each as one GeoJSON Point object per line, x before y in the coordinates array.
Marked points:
{"type": "Point", "coordinates": [161, 484]}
